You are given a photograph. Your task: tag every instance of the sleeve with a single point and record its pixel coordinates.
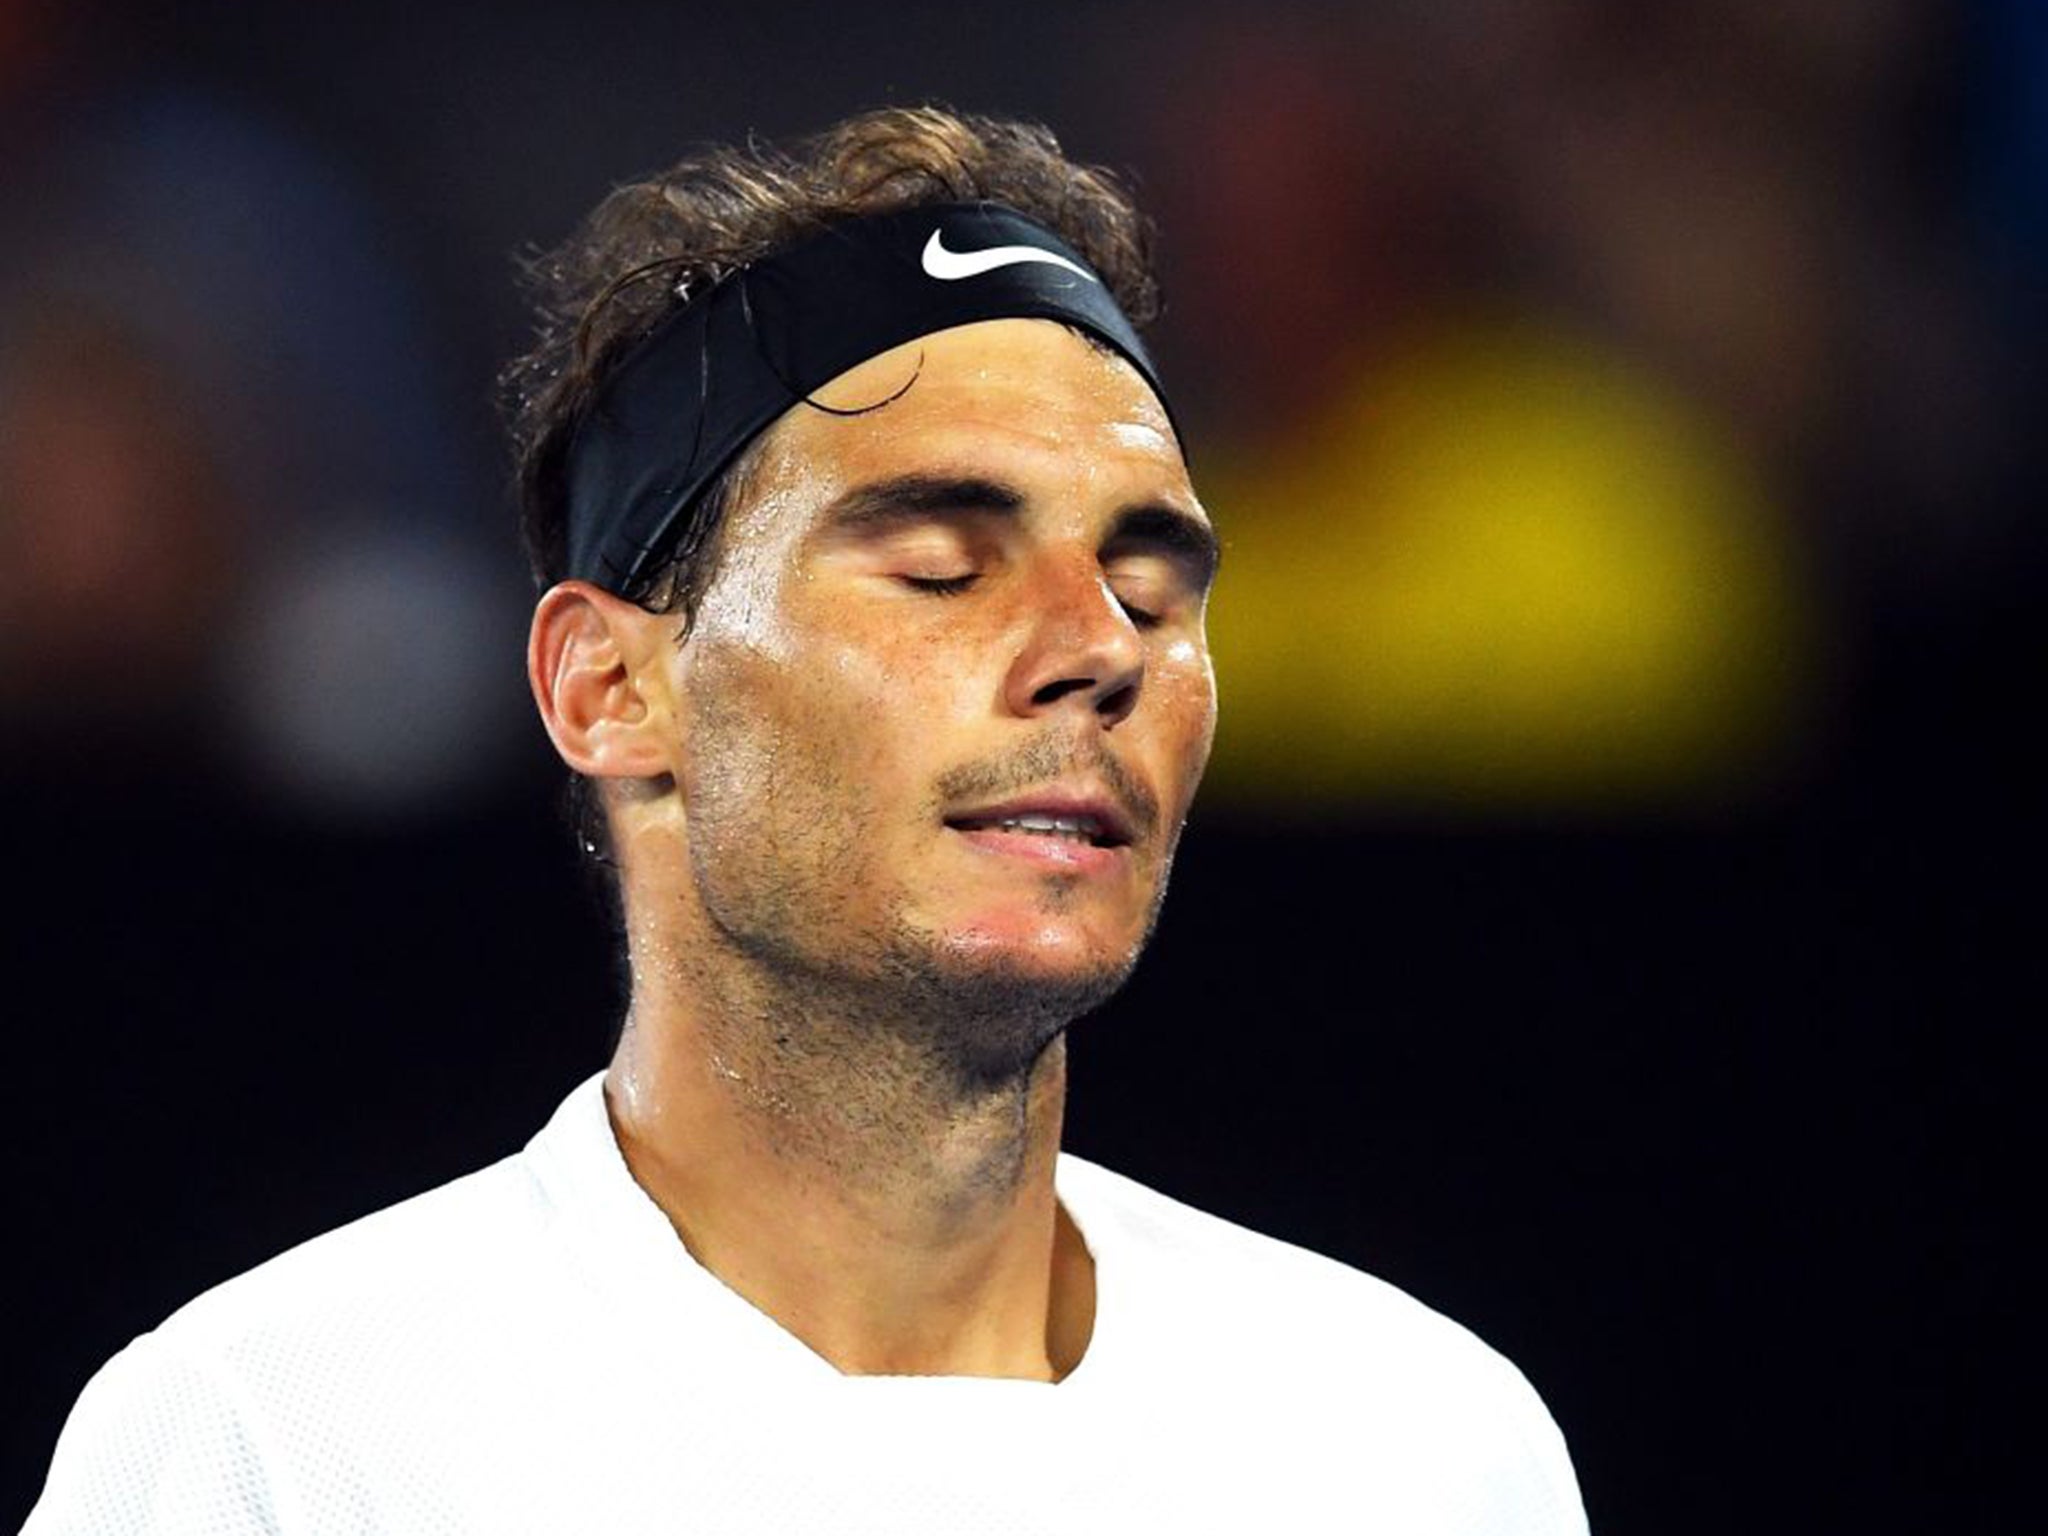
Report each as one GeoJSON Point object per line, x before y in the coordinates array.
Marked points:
{"type": "Point", "coordinates": [160, 1442]}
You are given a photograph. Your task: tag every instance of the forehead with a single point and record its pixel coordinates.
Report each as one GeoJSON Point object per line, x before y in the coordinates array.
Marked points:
{"type": "Point", "coordinates": [1026, 400]}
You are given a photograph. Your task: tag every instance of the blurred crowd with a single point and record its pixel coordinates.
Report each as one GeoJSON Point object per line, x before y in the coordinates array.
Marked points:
{"type": "Point", "coordinates": [1588, 380]}
{"type": "Point", "coordinates": [1579, 385]}
{"type": "Point", "coordinates": [244, 534]}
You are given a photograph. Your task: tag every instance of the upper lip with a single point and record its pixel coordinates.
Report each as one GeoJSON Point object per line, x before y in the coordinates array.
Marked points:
{"type": "Point", "coordinates": [1113, 824]}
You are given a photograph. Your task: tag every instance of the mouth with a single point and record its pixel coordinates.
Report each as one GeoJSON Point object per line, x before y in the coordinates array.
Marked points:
{"type": "Point", "coordinates": [1085, 830]}
{"type": "Point", "coordinates": [1093, 824]}
{"type": "Point", "coordinates": [1079, 834]}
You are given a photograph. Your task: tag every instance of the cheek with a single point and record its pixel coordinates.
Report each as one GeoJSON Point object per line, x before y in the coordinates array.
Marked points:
{"type": "Point", "coordinates": [1187, 694]}
{"type": "Point", "coordinates": [810, 732]}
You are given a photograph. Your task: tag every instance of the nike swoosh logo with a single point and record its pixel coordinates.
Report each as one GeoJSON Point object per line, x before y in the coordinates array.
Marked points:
{"type": "Point", "coordinates": [950, 266]}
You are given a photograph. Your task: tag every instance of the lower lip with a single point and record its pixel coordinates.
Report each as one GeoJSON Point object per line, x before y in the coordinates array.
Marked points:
{"type": "Point", "coordinates": [1067, 855]}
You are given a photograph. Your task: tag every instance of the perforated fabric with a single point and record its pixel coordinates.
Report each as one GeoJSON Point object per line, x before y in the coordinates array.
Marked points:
{"type": "Point", "coordinates": [531, 1349]}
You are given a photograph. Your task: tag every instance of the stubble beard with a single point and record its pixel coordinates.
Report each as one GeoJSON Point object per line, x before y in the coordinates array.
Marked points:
{"type": "Point", "coordinates": [925, 1078]}
{"type": "Point", "coordinates": [901, 1010]}
{"type": "Point", "coordinates": [826, 1006]}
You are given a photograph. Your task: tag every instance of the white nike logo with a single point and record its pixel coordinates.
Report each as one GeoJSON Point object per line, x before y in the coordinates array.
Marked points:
{"type": "Point", "coordinates": [950, 266]}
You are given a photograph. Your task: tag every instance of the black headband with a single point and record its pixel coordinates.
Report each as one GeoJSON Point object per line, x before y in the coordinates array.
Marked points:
{"type": "Point", "coordinates": [710, 377]}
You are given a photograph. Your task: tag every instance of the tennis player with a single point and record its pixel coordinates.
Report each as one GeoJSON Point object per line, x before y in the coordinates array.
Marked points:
{"type": "Point", "coordinates": [871, 627]}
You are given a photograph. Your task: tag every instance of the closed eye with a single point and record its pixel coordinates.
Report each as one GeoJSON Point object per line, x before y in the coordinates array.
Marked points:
{"type": "Point", "coordinates": [941, 586]}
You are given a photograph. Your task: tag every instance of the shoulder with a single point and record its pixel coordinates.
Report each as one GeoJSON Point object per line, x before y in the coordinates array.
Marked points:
{"type": "Point", "coordinates": [1332, 1355]}
{"type": "Point", "coordinates": [345, 1362]}
{"type": "Point", "coordinates": [429, 1254]}
{"type": "Point", "coordinates": [233, 1413]}
{"type": "Point", "coordinates": [431, 1271]}
{"type": "Point", "coordinates": [1230, 1271]}
{"type": "Point", "coordinates": [159, 1441]}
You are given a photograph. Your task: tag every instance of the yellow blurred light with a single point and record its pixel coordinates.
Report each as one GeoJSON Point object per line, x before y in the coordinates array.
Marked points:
{"type": "Point", "coordinates": [1507, 569]}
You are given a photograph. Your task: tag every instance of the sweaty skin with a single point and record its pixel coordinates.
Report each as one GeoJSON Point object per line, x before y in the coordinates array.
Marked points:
{"type": "Point", "coordinates": [842, 1073]}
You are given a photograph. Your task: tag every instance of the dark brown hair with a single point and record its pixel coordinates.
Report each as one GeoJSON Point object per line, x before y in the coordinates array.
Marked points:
{"type": "Point", "coordinates": [653, 245]}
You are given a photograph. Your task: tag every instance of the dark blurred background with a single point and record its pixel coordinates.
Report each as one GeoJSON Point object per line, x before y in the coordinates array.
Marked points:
{"type": "Point", "coordinates": [1606, 915]}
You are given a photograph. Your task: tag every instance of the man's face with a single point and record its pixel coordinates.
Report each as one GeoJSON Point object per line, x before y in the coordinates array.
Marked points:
{"type": "Point", "coordinates": [944, 705]}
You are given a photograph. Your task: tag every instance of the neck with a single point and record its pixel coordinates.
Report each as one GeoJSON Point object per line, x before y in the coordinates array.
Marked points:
{"type": "Point", "coordinates": [825, 1162]}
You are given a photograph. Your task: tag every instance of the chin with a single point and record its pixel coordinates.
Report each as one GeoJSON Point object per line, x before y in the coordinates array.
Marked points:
{"type": "Point", "coordinates": [988, 1010]}
{"type": "Point", "coordinates": [1053, 955]}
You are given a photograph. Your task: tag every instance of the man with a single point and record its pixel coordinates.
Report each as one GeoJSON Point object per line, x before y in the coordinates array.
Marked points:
{"type": "Point", "coordinates": [873, 625]}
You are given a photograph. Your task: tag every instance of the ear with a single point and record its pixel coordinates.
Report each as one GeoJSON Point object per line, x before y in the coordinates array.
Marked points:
{"type": "Point", "coordinates": [588, 659]}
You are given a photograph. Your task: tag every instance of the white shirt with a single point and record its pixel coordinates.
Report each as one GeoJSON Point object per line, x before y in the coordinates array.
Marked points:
{"type": "Point", "coordinates": [531, 1348]}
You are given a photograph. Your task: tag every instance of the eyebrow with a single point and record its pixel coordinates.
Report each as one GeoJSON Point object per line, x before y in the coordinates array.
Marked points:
{"type": "Point", "coordinates": [907, 498]}
{"type": "Point", "coordinates": [883, 504]}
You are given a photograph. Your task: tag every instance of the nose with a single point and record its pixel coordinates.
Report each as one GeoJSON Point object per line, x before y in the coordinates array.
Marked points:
{"type": "Point", "coordinates": [1082, 650]}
